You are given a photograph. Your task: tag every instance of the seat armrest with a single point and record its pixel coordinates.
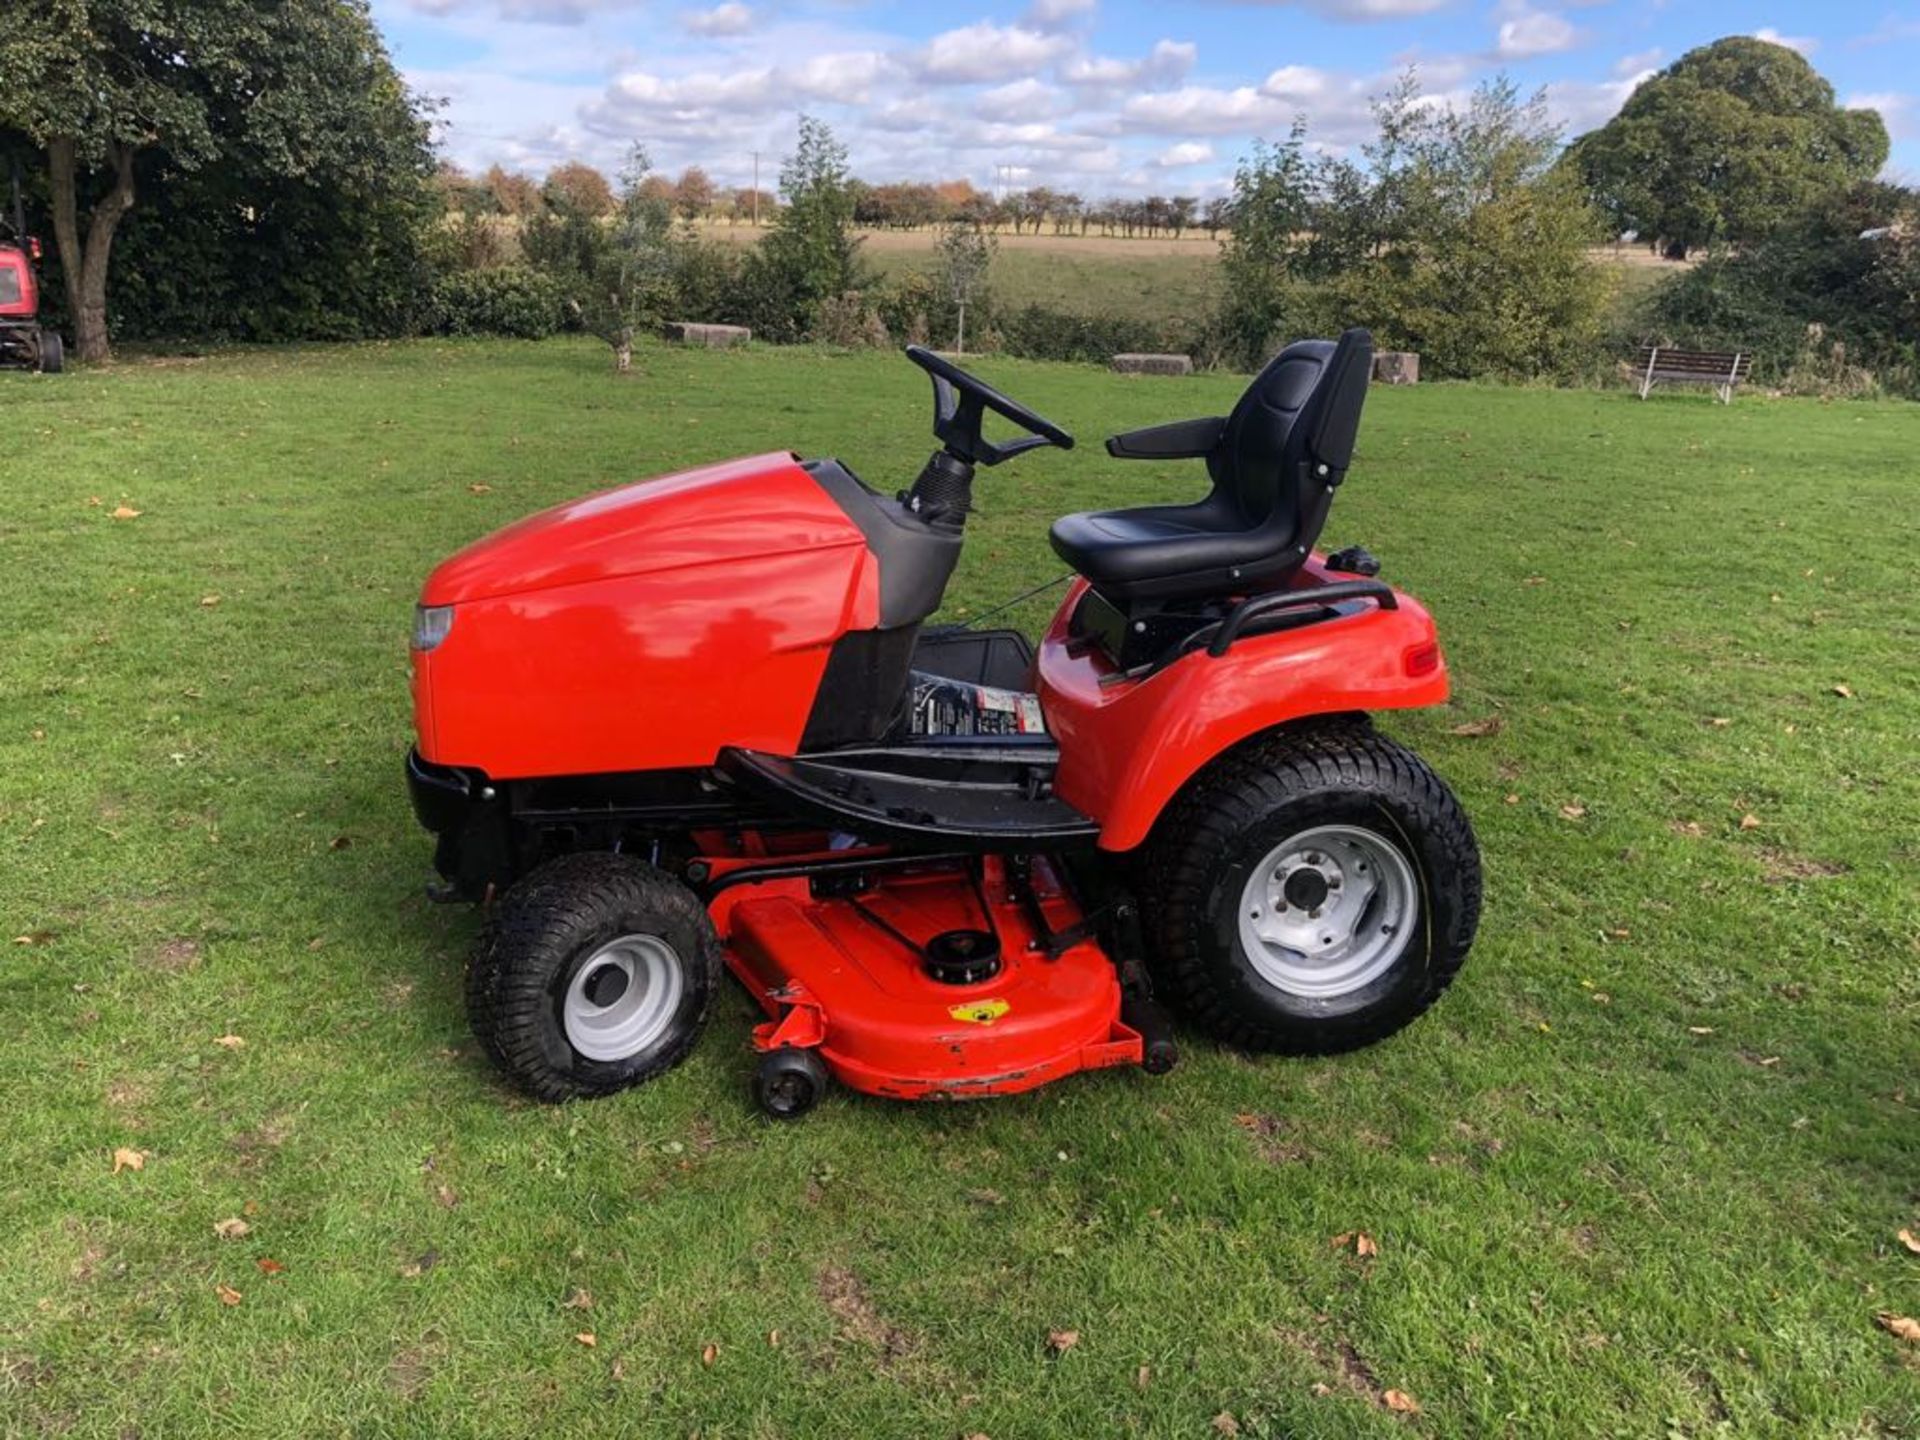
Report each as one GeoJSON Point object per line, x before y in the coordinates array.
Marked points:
{"type": "Point", "coordinates": [1181, 440]}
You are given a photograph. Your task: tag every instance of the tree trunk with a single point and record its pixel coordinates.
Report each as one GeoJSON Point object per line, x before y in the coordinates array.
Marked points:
{"type": "Point", "coordinates": [85, 269]}
{"type": "Point", "coordinates": [623, 351]}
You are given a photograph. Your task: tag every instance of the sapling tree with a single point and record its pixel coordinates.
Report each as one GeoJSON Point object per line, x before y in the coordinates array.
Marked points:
{"type": "Point", "coordinates": [628, 279]}
{"type": "Point", "coordinates": [966, 254]}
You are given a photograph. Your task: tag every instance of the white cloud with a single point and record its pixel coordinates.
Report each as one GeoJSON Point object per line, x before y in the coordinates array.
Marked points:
{"type": "Point", "coordinates": [985, 51]}
{"type": "Point", "coordinates": [1169, 60]}
{"type": "Point", "coordinates": [1054, 14]}
{"type": "Point", "coordinates": [1535, 32]}
{"type": "Point", "coordinates": [1027, 99]}
{"type": "Point", "coordinates": [731, 18]}
{"type": "Point", "coordinates": [545, 12]}
{"type": "Point", "coordinates": [1639, 62]}
{"type": "Point", "coordinates": [1204, 110]}
{"type": "Point", "coordinates": [1805, 44]}
{"type": "Point", "coordinates": [1295, 82]}
{"type": "Point", "coordinates": [1187, 152]}
{"type": "Point", "coordinates": [1582, 105]}
{"type": "Point", "coordinates": [1364, 11]}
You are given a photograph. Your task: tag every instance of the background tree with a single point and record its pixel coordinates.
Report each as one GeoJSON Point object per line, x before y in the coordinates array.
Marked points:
{"type": "Point", "coordinates": [752, 205]}
{"type": "Point", "coordinates": [1725, 144]}
{"type": "Point", "coordinates": [811, 254]}
{"type": "Point", "coordinates": [966, 254]}
{"type": "Point", "coordinates": [693, 194]}
{"type": "Point", "coordinates": [120, 97]}
{"type": "Point", "coordinates": [576, 188]}
{"type": "Point", "coordinates": [513, 193]}
{"type": "Point", "coordinates": [629, 276]}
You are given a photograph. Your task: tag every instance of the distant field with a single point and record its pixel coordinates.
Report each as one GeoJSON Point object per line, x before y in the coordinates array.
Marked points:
{"type": "Point", "coordinates": [1156, 278]}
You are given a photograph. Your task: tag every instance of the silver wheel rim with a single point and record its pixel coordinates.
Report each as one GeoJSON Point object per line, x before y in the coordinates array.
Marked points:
{"type": "Point", "coordinates": [1328, 911]}
{"type": "Point", "coordinates": [606, 1019]}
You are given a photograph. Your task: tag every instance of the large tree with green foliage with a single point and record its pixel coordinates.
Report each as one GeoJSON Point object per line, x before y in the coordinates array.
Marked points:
{"type": "Point", "coordinates": [811, 255]}
{"type": "Point", "coordinates": [1725, 144]}
{"type": "Point", "coordinates": [1451, 236]}
{"type": "Point", "coordinates": [295, 91]}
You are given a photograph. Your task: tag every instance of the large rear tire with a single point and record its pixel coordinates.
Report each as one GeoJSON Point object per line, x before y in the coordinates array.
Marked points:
{"type": "Point", "coordinates": [594, 974]}
{"type": "Point", "coordinates": [53, 353]}
{"type": "Point", "coordinates": [1311, 892]}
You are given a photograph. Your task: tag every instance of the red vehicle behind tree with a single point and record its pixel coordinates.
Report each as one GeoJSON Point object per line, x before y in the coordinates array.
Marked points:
{"type": "Point", "coordinates": [24, 341]}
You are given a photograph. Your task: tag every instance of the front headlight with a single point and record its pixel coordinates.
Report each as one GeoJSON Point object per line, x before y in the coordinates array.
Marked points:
{"type": "Point", "coordinates": [431, 625]}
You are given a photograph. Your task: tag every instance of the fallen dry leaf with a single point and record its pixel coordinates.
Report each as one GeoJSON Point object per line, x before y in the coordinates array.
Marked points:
{"type": "Point", "coordinates": [1361, 1243]}
{"type": "Point", "coordinates": [125, 512]}
{"type": "Point", "coordinates": [446, 1199]}
{"type": "Point", "coordinates": [587, 1338]}
{"type": "Point", "coordinates": [1767, 1062]}
{"type": "Point", "coordinates": [340, 842]}
{"type": "Point", "coordinates": [1721, 722]}
{"type": "Point", "coordinates": [229, 1042]}
{"type": "Point", "coordinates": [232, 1228]}
{"type": "Point", "coordinates": [1749, 821]}
{"type": "Point", "coordinates": [773, 1339]}
{"type": "Point", "coordinates": [267, 1266]}
{"type": "Point", "coordinates": [1699, 1030]}
{"type": "Point", "coordinates": [479, 488]}
{"type": "Point", "coordinates": [414, 1269]}
{"type": "Point", "coordinates": [1477, 729]}
{"type": "Point", "coordinates": [228, 1295]}
{"type": "Point", "coordinates": [125, 1159]}
{"type": "Point", "coordinates": [1902, 1326]}
{"type": "Point", "coordinates": [1845, 692]}
{"type": "Point", "coordinates": [1401, 1401]}
{"type": "Point", "coordinates": [709, 1355]}
{"type": "Point", "coordinates": [1225, 1424]}
{"type": "Point", "coordinates": [36, 937]}
{"type": "Point", "coordinates": [1061, 1341]}
{"type": "Point", "coordinates": [1143, 1377]}
{"type": "Point", "coordinates": [207, 602]}
{"type": "Point", "coordinates": [1573, 812]}
{"type": "Point", "coordinates": [1692, 829]}
{"type": "Point", "coordinates": [578, 1300]}
{"type": "Point", "coordinates": [1512, 799]}
{"type": "Point", "coordinates": [1911, 1241]}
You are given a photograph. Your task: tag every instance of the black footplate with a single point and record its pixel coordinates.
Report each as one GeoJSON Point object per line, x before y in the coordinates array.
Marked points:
{"type": "Point", "coordinates": [970, 793]}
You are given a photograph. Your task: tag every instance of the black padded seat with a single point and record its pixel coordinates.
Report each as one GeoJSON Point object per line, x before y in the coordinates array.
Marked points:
{"type": "Point", "coordinates": [1274, 462]}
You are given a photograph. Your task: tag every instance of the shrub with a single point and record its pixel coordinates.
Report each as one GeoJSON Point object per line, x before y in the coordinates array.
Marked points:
{"type": "Point", "coordinates": [512, 301]}
{"type": "Point", "coordinates": [849, 322]}
{"type": "Point", "coordinates": [1040, 332]}
{"type": "Point", "coordinates": [1851, 267]}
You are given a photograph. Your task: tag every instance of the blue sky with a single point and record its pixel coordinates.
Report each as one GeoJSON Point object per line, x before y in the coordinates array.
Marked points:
{"type": "Point", "coordinates": [1106, 97]}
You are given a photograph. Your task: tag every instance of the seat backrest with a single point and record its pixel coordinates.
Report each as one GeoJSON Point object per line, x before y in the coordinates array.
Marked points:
{"type": "Point", "coordinates": [1290, 438]}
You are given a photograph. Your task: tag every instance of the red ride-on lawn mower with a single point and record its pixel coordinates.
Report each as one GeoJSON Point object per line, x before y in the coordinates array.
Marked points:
{"type": "Point", "coordinates": [23, 340]}
{"type": "Point", "coordinates": [701, 721]}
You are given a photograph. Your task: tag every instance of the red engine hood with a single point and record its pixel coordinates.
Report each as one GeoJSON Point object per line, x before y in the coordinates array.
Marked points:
{"type": "Point", "coordinates": [757, 505]}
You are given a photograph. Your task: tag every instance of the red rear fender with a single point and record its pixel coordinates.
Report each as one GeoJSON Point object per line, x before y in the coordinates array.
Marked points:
{"type": "Point", "coordinates": [1126, 749]}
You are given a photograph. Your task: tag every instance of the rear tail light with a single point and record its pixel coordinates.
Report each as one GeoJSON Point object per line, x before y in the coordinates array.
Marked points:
{"type": "Point", "coordinates": [1422, 659]}
{"type": "Point", "coordinates": [431, 625]}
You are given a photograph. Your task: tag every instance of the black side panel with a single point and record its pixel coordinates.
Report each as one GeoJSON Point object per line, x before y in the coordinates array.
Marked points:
{"type": "Point", "coordinates": [1001, 658]}
{"type": "Point", "coordinates": [916, 559]}
{"type": "Point", "coordinates": [862, 689]}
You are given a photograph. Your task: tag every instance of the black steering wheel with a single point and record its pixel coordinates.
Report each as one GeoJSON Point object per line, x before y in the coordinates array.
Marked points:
{"type": "Point", "coordinates": [960, 401]}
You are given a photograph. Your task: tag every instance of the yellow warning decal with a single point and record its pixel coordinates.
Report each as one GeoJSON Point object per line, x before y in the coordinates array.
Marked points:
{"type": "Point", "coordinates": [980, 1012]}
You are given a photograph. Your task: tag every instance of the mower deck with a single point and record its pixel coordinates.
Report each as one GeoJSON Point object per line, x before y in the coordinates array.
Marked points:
{"type": "Point", "coordinates": [845, 967]}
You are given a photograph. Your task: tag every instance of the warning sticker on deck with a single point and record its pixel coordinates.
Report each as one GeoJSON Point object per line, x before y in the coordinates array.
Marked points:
{"type": "Point", "coordinates": [980, 1012]}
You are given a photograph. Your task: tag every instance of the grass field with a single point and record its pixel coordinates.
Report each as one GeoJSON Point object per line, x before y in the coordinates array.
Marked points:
{"type": "Point", "coordinates": [1639, 1174]}
{"type": "Point", "coordinates": [1155, 279]}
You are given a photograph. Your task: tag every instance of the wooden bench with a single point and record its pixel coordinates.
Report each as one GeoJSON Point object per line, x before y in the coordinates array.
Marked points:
{"type": "Point", "coordinates": [1721, 369]}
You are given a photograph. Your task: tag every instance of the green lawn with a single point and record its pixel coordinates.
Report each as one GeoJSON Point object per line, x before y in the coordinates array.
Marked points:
{"type": "Point", "coordinates": [1639, 1174]}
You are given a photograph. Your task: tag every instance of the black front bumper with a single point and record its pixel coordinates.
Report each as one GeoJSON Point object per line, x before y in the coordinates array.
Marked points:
{"type": "Point", "coordinates": [473, 850]}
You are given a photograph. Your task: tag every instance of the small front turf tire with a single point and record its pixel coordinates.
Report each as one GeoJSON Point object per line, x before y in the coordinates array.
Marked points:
{"type": "Point", "coordinates": [1311, 892]}
{"type": "Point", "coordinates": [788, 1082]}
{"type": "Point", "coordinates": [53, 354]}
{"type": "Point", "coordinates": [594, 974]}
